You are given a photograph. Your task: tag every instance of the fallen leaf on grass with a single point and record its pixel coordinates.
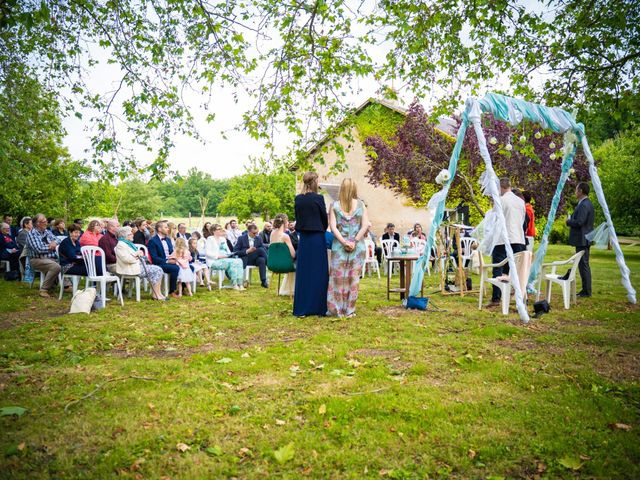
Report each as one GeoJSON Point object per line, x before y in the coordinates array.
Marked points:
{"type": "Point", "coordinates": [541, 467]}
{"type": "Point", "coordinates": [245, 355]}
{"type": "Point", "coordinates": [471, 454]}
{"type": "Point", "coordinates": [214, 451]}
{"type": "Point", "coordinates": [22, 446]}
{"type": "Point", "coordinates": [572, 463]}
{"type": "Point", "coordinates": [7, 411]}
{"type": "Point", "coordinates": [224, 360]}
{"type": "Point", "coordinates": [323, 409]}
{"type": "Point", "coordinates": [280, 422]}
{"type": "Point", "coordinates": [285, 453]}
{"type": "Point", "coordinates": [620, 426]}
{"type": "Point", "coordinates": [244, 452]}
{"type": "Point", "coordinates": [182, 447]}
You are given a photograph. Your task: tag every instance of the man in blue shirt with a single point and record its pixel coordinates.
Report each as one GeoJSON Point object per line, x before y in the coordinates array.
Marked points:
{"type": "Point", "coordinates": [41, 249]}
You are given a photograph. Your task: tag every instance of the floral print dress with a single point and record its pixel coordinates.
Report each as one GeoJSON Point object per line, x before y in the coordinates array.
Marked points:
{"type": "Point", "coordinates": [346, 267]}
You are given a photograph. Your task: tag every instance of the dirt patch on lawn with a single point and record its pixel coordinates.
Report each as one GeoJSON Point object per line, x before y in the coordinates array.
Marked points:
{"type": "Point", "coordinates": [33, 313]}
{"type": "Point", "coordinates": [619, 366]}
{"type": "Point", "coordinates": [530, 345]}
{"type": "Point", "coordinates": [392, 357]}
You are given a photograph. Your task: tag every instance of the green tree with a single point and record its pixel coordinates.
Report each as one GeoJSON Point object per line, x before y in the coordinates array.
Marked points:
{"type": "Point", "coordinates": [308, 55]}
{"type": "Point", "coordinates": [36, 170]}
{"type": "Point", "coordinates": [619, 169]}
{"type": "Point", "coordinates": [261, 194]}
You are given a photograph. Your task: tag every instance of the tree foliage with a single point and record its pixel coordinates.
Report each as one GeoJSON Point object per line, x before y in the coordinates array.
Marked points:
{"type": "Point", "coordinates": [182, 195]}
{"type": "Point", "coordinates": [409, 164]}
{"type": "Point", "coordinates": [36, 170]}
{"type": "Point", "coordinates": [297, 61]}
{"type": "Point", "coordinates": [260, 193]}
{"type": "Point", "coordinates": [619, 169]}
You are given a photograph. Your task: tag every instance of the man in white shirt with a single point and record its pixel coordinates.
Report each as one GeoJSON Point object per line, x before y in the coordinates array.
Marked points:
{"type": "Point", "coordinates": [233, 232]}
{"type": "Point", "coordinates": [514, 215]}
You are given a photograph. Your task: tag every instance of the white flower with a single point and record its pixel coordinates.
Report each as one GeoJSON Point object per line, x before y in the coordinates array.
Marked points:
{"type": "Point", "coordinates": [552, 156]}
{"type": "Point", "coordinates": [538, 135]}
{"type": "Point", "coordinates": [443, 177]}
{"type": "Point", "coordinates": [572, 171]}
{"type": "Point", "coordinates": [493, 140]}
{"type": "Point", "coordinates": [508, 147]}
{"type": "Point", "coordinates": [523, 138]}
{"type": "Point", "coordinates": [552, 145]}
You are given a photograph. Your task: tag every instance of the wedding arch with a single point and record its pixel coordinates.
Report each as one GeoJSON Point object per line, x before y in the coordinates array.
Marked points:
{"type": "Point", "coordinates": [514, 111]}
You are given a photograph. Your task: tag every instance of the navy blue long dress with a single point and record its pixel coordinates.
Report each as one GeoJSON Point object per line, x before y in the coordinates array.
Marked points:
{"type": "Point", "coordinates": [312, 270]}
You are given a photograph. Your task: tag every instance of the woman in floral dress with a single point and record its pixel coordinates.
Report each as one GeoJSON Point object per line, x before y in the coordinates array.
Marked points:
{"type": "Point", "coordinates": [218, 257]}
{"type": "Point", "coordinates": [348, 220]}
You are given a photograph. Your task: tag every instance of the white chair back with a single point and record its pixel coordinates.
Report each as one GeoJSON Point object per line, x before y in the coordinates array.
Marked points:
{"type": "Point", "coordinates": [418, 244]}
{"type": "Point", "coordinates": [523, 266]}
{"type": "Point", "coordinates": [89, 256]}
{"type": "Point", "coordinates": [576, 260]}
{"type": "Point", "coordinates": [466, 243]}
{"type": "Point", "coordinates": [370, 249]}
{"type": "Point", "coordinates": [143, 248]}
{"type": "Point", "coordinates": [389, 245]}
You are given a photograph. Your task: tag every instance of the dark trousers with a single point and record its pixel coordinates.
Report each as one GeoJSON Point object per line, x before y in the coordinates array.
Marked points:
{"type": "Point", "coordinates": [12, 258]}
{"type": "Point", "coordinates": [585, 269]}
{"type": "Point", "coordinates": [80, 268]}
{"type": "Point", "coordinates": [379, 255]}
{"type": "Point", "coordinates": [257, 259]}
{"type": "Point", "coordinates": [172, 270]}
{"type": "Point", "coordinates": [498, 254]}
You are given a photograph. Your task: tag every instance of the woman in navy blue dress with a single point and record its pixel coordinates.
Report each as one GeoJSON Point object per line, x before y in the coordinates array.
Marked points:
{"type": "Point", "coordinates": [312, 270]}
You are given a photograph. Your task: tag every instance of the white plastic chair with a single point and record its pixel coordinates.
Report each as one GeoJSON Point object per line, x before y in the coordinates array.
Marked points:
{"type": "Point", "coordinates": [370, 258]}
{"type": "Point", "coordinates": [89, 256]}
{"type": "Point", "coordinates": [6, 265]}
{"type": "Point", "coordinates": [467, 252]}
{"type": "Point", "coordinates": [502, 284]}
{"type": "Point", "coordinates": [247, 273]}
{"type": "Point", "coordinates": [568, 285]}
{"type": "Point", "coordinates": [418, 245]}
{"type": "Point", "coordinates": [75, 279]}
{"type": "Point", "coordinates": [145, 282]}
{"type": "Point", "coordinates": [388, 246]}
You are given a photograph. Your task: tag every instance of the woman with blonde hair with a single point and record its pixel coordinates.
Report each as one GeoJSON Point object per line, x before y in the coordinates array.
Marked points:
{"type": "Point", "coordinates": [312, 271]}
{"type": "Point", "coordinates": [279, 235]}
{"type": "Point", "coordinates": [349, 221]}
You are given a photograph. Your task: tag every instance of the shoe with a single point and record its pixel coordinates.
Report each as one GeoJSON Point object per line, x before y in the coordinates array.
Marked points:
{"type": "Point", "coordinates": [565, 276]}
{"type": "Point", "coordinates": [493, 304]}
{"type": "Point", "coordinates": [44, 294]}
{"type": "Point", "coordinates": [265, 284]}
{"type": "Point", "coordinates": [174, 295]}
{"type": "Point", "coordinates": [583, 295]}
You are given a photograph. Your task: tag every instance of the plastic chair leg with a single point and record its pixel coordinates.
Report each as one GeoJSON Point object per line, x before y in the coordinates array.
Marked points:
{"type": "Point", "coordinates": [505, 298]}
{"type": "Point", "coordinates": [103, 293]}
{"type": "Point", "coordinates": [566, 292]}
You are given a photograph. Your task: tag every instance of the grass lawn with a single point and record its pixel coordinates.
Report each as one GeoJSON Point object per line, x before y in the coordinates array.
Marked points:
{"type": "Point", "coordinates": [229, 384]}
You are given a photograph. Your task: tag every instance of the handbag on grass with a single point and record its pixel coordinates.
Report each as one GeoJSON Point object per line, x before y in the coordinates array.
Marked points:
{"type": "Point", "coordinates": [83, 300]}
{"type": "Point", "coordinates": [417, 303]}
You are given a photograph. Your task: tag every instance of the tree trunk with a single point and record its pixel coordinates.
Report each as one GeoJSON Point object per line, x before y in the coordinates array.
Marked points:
{"type": "Point", "coordinates": [471, 192]}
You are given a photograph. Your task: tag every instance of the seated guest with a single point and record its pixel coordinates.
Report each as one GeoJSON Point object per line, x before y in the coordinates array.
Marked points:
{"type": "Point", "coordinates": [265, 234]}
{"type": "Point", "coordinates": [200, 243]}
{"type": "Point", "coordinates": [141, 237]}
{"type": "Point", "coordinates": [108, 243]}
{"type": "Point", "coordinates": [377, 250]}
{"type": "Point", "coordinates": [161, 251]}
{"type": "Point", "coordinates": [92, 236]}
{"type": "Point", "coordinates": [131, 261]}
{"type": "Point", "coordinates": [293, 234]}
{"type": "Point", "coordinates": [173, 230]}
{"type": "Point", "coordinates": [417, 232]}
{"type": "Point", "coordinates": [219, 257]}
{"type": "Point", "coordinates": [278, 235]}
{"type": "Point", "coordinates": [233, 233]}
{"type": "Point", "coordinates": [59, 228]}
{"type": "Point", "coordinates": [198, 262]}
{"type": "Point", "coordinates": [25, 227]}
{"type": "Point", "coordinates": [390, 233]}
{"type": "Point", "coordinates": [10, 251]}
{"type": "Point", "coordinates": [41, 249]}
{"type": "Point", "coordinates": [182, 232]}
{"type": "Point", "coordinates": [79, 221]}
{"type": "Point", "coordinates": [206, 230]}
{"type": "Point", "coordinates": [13, 231]}
{"type": "Point", "coordinates": [251, 251]}
{"type": "Point", "coordinates": [70, 255]}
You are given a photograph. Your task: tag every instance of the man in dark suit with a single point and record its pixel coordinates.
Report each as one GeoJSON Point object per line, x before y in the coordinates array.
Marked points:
{"type": "Point", "coordinates": [160, 250]}
{"type": "Point", "coordinates": [581, 223]}
{"type": "Point", "coordinates": [251, 250]}
{"type": "Point", "coordinates": [182, 232]}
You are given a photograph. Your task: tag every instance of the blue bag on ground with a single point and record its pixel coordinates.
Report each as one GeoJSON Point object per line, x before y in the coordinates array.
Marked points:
{"type": "Point", "coordinates": [417, 303]}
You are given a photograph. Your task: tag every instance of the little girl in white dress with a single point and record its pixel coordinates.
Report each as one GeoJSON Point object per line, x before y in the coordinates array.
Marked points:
{"type": "Point", "coordinates": [183, 257]}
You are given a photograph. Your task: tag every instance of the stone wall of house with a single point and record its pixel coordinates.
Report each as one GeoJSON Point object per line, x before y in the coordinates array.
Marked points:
{"type": "Point", "coordinates": [382, 204]}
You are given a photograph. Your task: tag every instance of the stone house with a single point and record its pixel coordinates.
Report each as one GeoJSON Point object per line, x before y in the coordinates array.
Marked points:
{"type": "Point", "coordinates": [383, 204]}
